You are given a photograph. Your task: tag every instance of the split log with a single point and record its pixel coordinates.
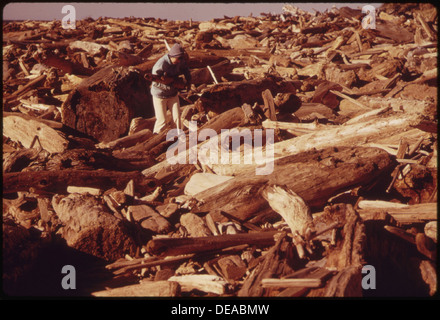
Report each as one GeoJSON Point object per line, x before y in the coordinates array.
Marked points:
{"type": "Point", "coordinates": [289, 283]}
{"type": "Point", "coordinates": [86, 190]}
{"type": "Point", "coordinates": [203, 75]}
{"type": "Point", "coordinates": [24, 131]}
{"type": "Point", "coordinates": [318, 275]}
{"type": "Point", "coordinates": [311, 111]}
{"type": "Point", "coordinates": [287, 103]}
{"type": "Point", "coordinates": [93, 159]}
{"type": "Point", "coordinates": [295, 128]}
{"type": "Point", "coordinates": [269, 105]}
{"type": "Point", "coordinates": [394, 32]}
{"type": "Point", "coordinates": [315, 176]}
{"type": "Point", "coordinates": [26, 88]}
{"type": "Point", "coordinates": [103, 105]}
{"type": "Point", "coordinates": [58, 181]}
{"type": "Point", "coordinates": [143, 289]}
{"type": "Point", "coordinates": [89, 227]}
{"type": "Point", "coordinates": [178, 246]}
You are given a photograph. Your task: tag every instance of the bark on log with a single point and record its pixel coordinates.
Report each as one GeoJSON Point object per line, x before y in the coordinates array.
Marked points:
{"type": "Point", "coordinates": [58, 181]}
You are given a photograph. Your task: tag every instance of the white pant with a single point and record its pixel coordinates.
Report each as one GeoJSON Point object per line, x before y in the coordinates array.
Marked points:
{"type": "Point", "coordinates": [160, 108]}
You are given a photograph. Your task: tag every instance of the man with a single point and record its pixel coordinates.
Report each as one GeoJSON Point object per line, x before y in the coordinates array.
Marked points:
{"type": "Point", "coordinates": [165, 90]}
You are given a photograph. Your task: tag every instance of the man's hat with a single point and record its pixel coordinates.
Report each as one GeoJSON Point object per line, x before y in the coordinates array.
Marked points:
{"type": "Point", "coordinates": [176, 51]}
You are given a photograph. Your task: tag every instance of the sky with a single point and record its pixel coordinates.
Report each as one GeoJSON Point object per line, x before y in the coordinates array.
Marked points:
{"type": "Point", "coordinates": [171, 11]}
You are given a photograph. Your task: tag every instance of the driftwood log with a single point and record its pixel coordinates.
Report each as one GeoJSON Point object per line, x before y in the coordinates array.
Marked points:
{"type": "Point", "coordinates": [58, 181]}
{"type": "Point", "coordinates": [314, 176]}
{"type": "Point", "coordinates": [103, 105]}
{"type": "Point", "coordinates": [91, 228]}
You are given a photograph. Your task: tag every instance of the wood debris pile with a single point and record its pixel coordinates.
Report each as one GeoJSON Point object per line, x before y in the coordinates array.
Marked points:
{"type": "Point", "coordinates": [346, 114]}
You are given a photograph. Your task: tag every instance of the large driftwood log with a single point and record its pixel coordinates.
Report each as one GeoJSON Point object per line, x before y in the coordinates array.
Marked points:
{"type": "Point", "coordinates": [365, 133]}
{"type": "Point", "coordinates": [315, 176]}
{"type": "Point", "coordinates": [103, 105]}
{"type": "Point", "coordinates": [58, 181]}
